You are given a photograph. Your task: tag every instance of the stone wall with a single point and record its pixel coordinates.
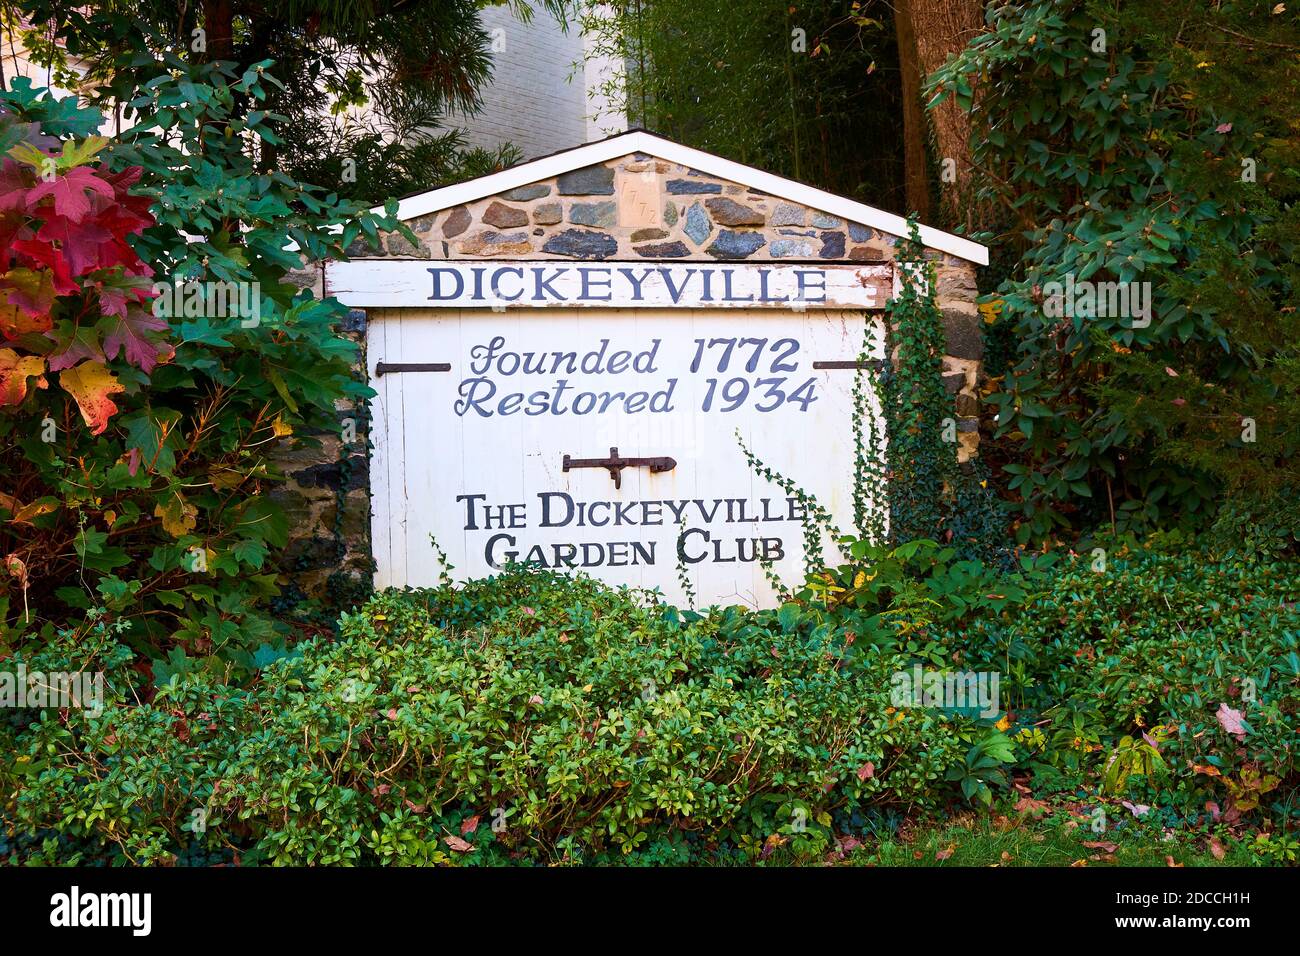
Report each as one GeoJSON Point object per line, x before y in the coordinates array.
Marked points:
{"type": "Point", "coordinates": [576, 216]}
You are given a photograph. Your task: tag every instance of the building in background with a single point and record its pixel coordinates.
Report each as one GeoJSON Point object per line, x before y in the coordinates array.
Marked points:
{"type": "Point", "coordinates": [547, 90]}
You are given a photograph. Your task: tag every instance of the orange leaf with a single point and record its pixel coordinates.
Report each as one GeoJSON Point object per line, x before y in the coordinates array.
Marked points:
{"type": "Point", "coordinates": [91, 384]}
{"type": "Point", "coordinates": [15, 370]}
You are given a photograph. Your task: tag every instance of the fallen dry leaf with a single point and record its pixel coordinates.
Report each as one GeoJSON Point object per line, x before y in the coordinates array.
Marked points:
{"type": "Point", "coordinates": [1231, 721]}
{"type": "Point", "coordinates": [1031, 806]}
{"type": "Point", "coordinates": [457, 844]}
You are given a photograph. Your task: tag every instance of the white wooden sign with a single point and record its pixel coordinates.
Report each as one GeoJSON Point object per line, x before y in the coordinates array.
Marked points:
{"type": "Point", "coordinates": [473, 456]}
{"type": "Point", "coordinates": [396, 283]}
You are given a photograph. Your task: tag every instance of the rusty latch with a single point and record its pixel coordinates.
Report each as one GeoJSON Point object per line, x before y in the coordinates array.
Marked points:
{"type": "Point", "coordinates": [615, 464]}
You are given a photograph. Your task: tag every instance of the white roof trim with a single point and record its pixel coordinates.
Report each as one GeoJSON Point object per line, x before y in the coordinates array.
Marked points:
{"type": "Point", "coordinates": [639, 141]}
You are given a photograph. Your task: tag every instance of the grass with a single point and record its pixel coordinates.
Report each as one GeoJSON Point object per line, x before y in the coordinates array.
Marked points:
{"type": "Point", "coordinates": [996, 841]}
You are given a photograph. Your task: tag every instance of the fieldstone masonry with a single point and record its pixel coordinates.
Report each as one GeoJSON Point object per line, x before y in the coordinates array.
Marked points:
{"type": "Point", "coordinates": [576, 216]}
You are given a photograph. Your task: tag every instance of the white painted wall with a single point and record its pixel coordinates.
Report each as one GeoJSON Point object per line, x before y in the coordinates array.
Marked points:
{"type": "Point", "coordinates": [537, 98]}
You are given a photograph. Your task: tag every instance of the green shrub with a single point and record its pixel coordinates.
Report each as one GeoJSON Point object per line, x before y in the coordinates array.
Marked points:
{"type": "Point", "coordinates": [1159, 641]}
{"type": "Point", "coordinates": [152, 500]}
{"type": "Point", "coordinates": [534, 717]}
{"type": "Point", "coordinates": [582, 720]}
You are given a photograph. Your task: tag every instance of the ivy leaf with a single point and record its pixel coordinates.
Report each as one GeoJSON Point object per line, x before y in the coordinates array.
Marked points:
{"type": "Point", "coordinates": [250, 551]}
{"type": "Point", "coordinates": [91, 384]}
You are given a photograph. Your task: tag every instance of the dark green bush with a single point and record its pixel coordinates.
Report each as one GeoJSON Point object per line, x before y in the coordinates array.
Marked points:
{"type": "Point", "coordinates": [533, 718]}
{"type": "Point", "coordinates": [578, 718]}
{"type": "Point", "coordinates": [1117, 646]}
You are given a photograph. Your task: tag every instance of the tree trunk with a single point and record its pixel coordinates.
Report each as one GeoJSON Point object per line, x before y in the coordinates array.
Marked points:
{"type": "Point", "coordinates": [942, 28]}
{"type": "Point", "coordinates": [219, 25]}
{"type": "Point", "coordinates": [916, 184]}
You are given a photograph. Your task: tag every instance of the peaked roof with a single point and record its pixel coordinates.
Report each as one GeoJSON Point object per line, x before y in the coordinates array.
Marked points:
{"type": "Point", "coordinates": [640, 141]}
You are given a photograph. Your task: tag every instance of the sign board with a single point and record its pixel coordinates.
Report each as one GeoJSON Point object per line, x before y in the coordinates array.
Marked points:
{"type": "Point", "coordinates": [397, 283]}
{"type": "Point", "coordinates": [494, 435]}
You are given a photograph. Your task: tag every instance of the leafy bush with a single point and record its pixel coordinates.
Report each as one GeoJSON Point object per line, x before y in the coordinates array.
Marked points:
{"type": "Point", "coordinates": [156, 511]}
{"type": "Point", "coordinates": [1130, 143]}
{"type": "Point", "coordinates": [1194, 658]}
{"type": "Point", "coordinates": [578, 718]}
{"type": "Point", "coordinates": [534, 717]}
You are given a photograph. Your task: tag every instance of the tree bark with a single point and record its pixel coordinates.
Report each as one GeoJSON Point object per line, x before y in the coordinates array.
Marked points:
{"type": "Point", "coordinates": [219, 25]}
{"type": "Point", "coordinates": [942, 28]}
{"type": "Point", "coordinates": [916, 184]}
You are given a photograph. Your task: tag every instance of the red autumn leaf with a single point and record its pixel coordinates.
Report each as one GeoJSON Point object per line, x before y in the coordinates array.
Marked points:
{"type": "Point", "coordinates": [131, 334]}
{"type": "Point", "coordinates": [1217, 849]}
{"type": "Point", "coordinates": [469, 826]}
{"type": "Point", "coordinates": [75, 344]}
{"type": "Point", "coordinates": [1031, 806]}
{"type": "Point", "coordinates": [944, 854]}
{"type": "Point", "coordinates": [45, 254]}
{"type": "Point", "coordinates": [867, 771]}
{"type": "Point", "coordinates": [70, 192]}
{"type": "Point", "coordinates": [457, 844]}
{"type": "Point", "coordinates": [80, 243]}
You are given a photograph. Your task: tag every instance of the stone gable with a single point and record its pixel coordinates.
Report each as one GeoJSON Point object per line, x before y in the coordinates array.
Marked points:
{"type": "Point", "coordinates": [697, 216]}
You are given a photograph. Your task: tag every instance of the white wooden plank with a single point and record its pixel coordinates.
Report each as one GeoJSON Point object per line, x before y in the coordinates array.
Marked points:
{"type": "Point", "coordinates": [380, 504]}
{"type": "Point", "coordinates": [513, 458]}
{"type": "Point", "coordinates": [558, 283]}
